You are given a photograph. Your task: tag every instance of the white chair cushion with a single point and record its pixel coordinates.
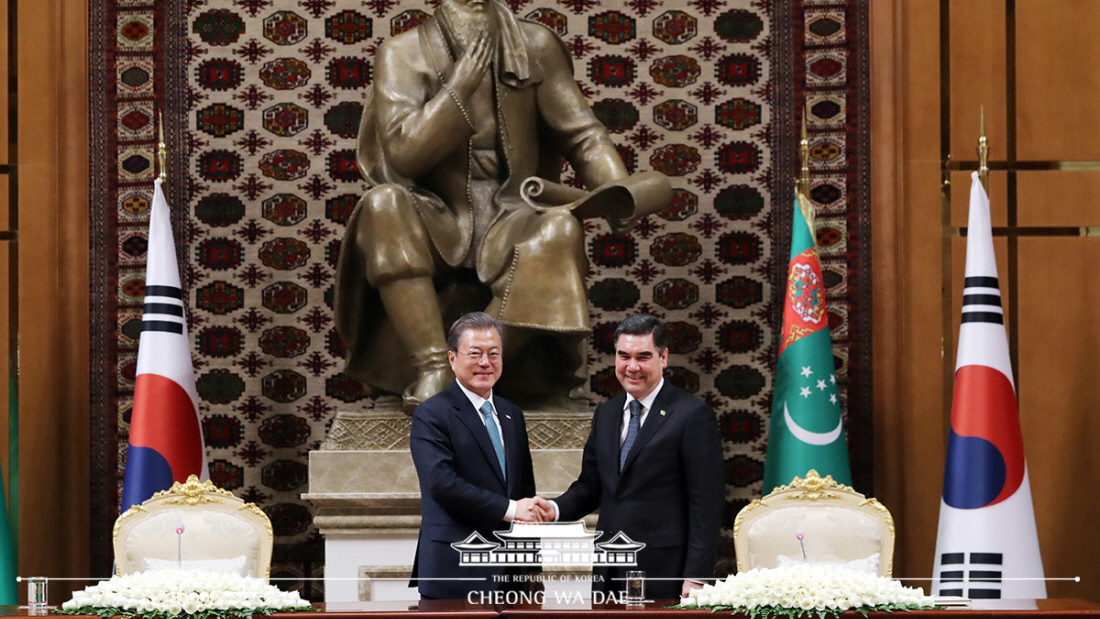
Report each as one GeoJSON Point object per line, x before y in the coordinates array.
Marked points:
{"type": "Point", "coordinates": [236, 565]}
{"type": "Point", "coordinates": [867, 565]}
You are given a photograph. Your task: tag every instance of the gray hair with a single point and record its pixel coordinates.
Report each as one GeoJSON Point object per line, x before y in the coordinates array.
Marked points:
{"type": "Point", "coordinates": [474, 321]}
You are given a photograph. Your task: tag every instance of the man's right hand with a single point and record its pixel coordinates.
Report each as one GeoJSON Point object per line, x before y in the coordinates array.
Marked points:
{"type": "Point", "coordinates": [527, 510]}
{"type": "Point", "coordinates": [470, 69]}
{"type": "Point", "coordinates": [549, 514]}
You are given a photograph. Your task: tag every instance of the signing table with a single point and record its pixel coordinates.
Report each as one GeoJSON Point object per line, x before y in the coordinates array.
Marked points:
{"type": "Point", "coordinates": [1029, 609]}
{"type": "Point", "coordinates": [459, 609]}
{"type": "Point", "coordinates": [1006, 609]}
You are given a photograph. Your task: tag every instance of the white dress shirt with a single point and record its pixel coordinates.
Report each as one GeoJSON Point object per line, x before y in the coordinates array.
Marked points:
{"type": "Point", "coordinates": [647, 403]}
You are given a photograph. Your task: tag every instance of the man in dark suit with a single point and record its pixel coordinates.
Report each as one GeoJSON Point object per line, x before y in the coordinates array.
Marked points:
{"type": "Point", "coordinates": [474, 465]}
{"type": "Point", "coordinates": [653, 467]}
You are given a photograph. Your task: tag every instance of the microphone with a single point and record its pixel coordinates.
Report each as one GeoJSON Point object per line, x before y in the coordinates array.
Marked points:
{"type": "Point", "coordinates": [179, 545]}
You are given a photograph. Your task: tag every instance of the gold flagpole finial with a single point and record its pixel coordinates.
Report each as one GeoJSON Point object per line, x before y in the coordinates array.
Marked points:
{"type": "Point", "coordinates": [161, 148]}
{"type": "Point", "coordinates": [983, 151]}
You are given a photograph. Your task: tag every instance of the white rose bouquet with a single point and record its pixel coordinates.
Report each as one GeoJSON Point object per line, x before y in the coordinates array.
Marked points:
{"type": "Point", "coordinates": [174, 594]}
{"type": "Point", "coordinates": [805, 591]}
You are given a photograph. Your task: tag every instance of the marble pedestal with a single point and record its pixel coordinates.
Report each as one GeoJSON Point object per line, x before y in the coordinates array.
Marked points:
{"type": "Point", "coordinates": [364, 489]}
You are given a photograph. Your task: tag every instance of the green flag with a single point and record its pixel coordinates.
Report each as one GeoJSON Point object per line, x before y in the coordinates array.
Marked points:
{"type": "Point", "coordinates": [8, 594]}
{"type": "Point", "coordinates": [806, 430]}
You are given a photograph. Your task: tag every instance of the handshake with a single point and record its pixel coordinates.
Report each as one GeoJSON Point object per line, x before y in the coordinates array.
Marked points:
{"type": "Point", "coordinates": [534, 509]}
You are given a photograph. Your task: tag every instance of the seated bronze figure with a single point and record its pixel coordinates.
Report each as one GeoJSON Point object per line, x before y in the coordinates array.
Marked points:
{"type": "Point", "coordinates": [462, 139]}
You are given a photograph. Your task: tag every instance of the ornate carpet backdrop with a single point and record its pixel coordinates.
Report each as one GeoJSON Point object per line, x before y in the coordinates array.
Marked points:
{"type": "Point", "coordinates": [261, 102]}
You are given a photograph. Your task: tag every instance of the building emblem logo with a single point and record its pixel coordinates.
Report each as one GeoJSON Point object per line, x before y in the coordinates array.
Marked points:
{"type": "Point", "coordinates": [552, 543]}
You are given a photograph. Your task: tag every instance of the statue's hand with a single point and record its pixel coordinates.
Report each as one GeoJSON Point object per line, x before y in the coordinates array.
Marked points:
{"type": "Point", "coordinates": [470, 69]}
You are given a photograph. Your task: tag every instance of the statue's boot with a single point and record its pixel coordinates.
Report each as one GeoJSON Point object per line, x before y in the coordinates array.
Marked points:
{"type": "Point", "coordinates": [435, 375]}
{"type": "Point", "coordinates": [413, 309]}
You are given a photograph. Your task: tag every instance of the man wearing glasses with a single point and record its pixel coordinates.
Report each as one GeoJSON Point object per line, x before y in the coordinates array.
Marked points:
{"type": "Point", "coordinates": [473, 462]}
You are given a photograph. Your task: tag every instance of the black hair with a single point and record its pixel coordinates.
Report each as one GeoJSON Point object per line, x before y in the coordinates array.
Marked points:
{"type": "Point", "coordinates": [644, 324]}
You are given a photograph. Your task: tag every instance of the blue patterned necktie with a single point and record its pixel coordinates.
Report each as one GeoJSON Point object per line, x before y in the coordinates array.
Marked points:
{"type": "Point", "coordinates": [494, 434]}
{"type": "Point", "coordinates": [631, 431]}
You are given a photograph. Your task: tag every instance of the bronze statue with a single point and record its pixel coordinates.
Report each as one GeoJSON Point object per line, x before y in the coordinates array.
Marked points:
{"type": "Point", "coordinates": [462, 139]}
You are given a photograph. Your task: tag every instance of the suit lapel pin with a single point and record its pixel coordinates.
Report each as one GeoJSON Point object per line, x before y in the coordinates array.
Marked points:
{"type": "Point", "coordinates": [507, 416]}
{"type": "Point", "coordinates": [662, 412]}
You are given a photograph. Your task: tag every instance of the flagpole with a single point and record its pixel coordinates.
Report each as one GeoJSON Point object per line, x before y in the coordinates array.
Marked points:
{"type": "Point", "coordinates": [165, 443]}
{"type": "Point", "coordinates": [802, 183]}
{"type": "Point", "coordinates": [983, 151]}
{"type": "Point", "coordinates": [806, 430]}
{"type": "Point", "coordinates": [162, 149]}
{"type": "Point", "coordinates": [804, 155]}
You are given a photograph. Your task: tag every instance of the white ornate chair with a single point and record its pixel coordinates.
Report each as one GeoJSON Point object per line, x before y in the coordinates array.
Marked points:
{"type": "Point", "coordinates": [194, 525]}
{"type": "Point", "coordinates": [838, 526]}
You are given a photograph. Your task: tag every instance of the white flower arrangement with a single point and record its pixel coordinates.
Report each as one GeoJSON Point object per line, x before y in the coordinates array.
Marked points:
{"type": "Point", "coordinates": [175, 594]}
{"type": "Point", "coordinates": [806, 590]}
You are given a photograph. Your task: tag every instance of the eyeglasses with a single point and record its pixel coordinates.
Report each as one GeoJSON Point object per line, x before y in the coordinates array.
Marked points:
{"type": "Point", "coordinates": [476, 355]}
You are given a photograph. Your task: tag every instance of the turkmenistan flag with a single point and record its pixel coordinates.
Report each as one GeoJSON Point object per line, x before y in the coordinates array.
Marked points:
{"type": "Point", "coordinates": [8, 593]}
{"type": "Point", "coordinates": [806, 429]}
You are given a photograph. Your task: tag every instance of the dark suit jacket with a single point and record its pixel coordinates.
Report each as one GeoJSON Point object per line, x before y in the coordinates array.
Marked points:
{"type": "Point", "coordinates": [462, 489]}
{"type": "Point", "coordinates": [670, 495]}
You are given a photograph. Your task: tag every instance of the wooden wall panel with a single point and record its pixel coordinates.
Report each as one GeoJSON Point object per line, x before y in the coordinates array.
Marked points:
{"type": "Point", "coordinates": [7, 264]}
{"type": "Point", "coordinates": [1057, 80]}
{"type": "Point", "coordinates": [6, 223]}
{"type": "Point", "coordinates": [977, 67]}
{"type": "Point", "coordinates": [5, 98]}
{"type": "Point", "coordinates": [905, 230]}
{"type": "Point", "coordinates": [52, 169]}
{"type": "Point", "coordinates": [1058, 375]}
{"type": "Point", "coordinates": [1059, 198]}
{"type": "Point", "coordinates": [887, 113]}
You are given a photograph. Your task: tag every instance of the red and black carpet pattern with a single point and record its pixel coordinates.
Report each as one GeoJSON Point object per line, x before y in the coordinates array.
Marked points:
{"type": "Point", "coordinates": [261, 101]}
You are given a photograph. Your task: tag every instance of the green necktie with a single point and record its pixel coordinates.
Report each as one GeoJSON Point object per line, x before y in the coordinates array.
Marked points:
{"type": "Point", "coordinates": [494, 434]}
